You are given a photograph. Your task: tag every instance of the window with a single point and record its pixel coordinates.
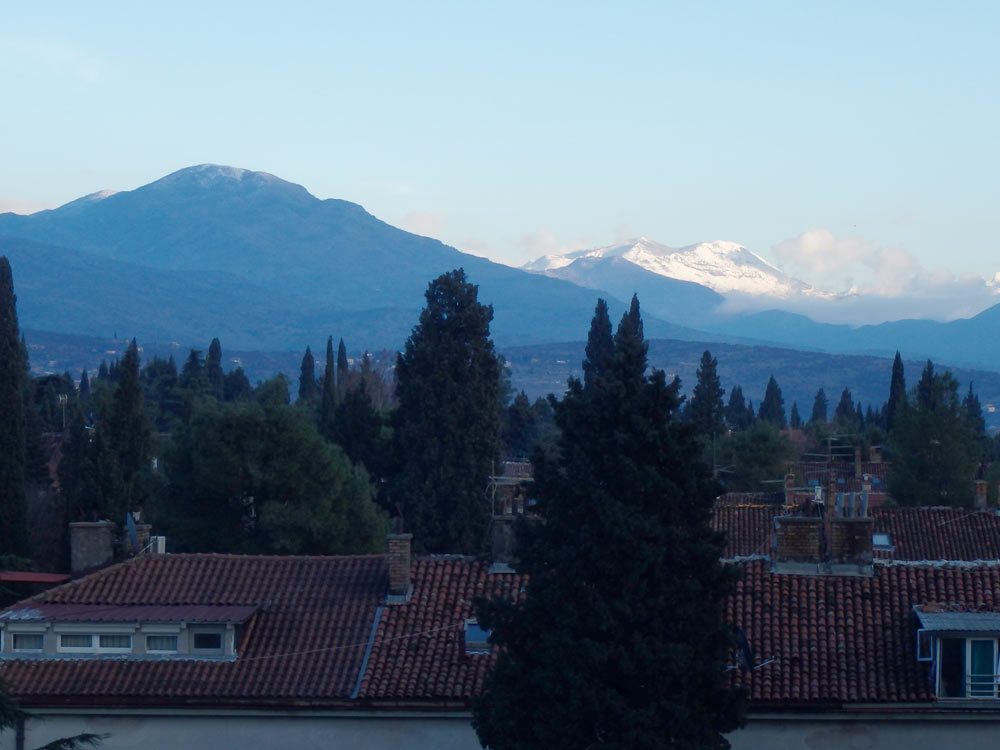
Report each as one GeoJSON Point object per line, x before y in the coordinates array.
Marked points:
{"type": "Point", "coordinates": [967, 668]}
{"type": "Point", "coordinates": [156, 643]}
{"type": "Point", "coordinates": [117, 642]}
{"type": "Point", "coordinates": [27, 641]}
{"type": "Point", "coordinates": [207, 641]}
{"type": "Point", "coordinates": [882, 542]}
{"type": "Point", "coordinates": [76, 641]}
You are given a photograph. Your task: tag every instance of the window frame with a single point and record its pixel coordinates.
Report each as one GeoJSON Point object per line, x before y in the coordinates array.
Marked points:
{"type": "Point", "coordinates": [174, 650]}
{"type": "Point", "coordinates": [14, 635]}
{"type": "Point", "coordinates": [60, 648]}
{"type": "Point", "coordinates": [102, 649]}
{"type": "Point", "coordinates": [992, 685]}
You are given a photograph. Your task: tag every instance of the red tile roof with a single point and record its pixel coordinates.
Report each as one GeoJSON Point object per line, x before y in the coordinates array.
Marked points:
{"type": "Point", "coordinates": [303, 646]}
{"type": "Point", "coordinates": [141, 613]}
{"type": "Point", "coordinates": [841, 639]}
{"type": "Point", "coordinates": [420, 648]}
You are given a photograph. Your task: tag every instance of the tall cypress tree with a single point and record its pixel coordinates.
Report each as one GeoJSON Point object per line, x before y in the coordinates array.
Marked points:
{"type": "Point", "coordinates": [84, 393]}
{"type": "Point", "coordinates": [618, 640]}
{"type": "Point", "coordinates": [845, 413]}
{"type": "Point", "coordinates": [794, 419]}
{"type": "Point", "coordinates": [343, 369]}
{"type": "Point", "coordinates": [307, 378]}
{"type": "Point", "coordinates": [600, 347]}
{"type": "Point", "coordinates": [706, 399]}
{"type": "Point", "coordinates": [819, 408]}
{"type": "Point", "coordinates": [129, 430]}
{"type": "Point", "coordinates": [736, 409]}
{"type": "Point", "coordinates": [772, 408]}
{"type": "Point", "coordinates": [214, 378]}
{"type": "Point", "coordinates": [447, 423]}
{"type": "Point", "coordinates": [897, 393]}
{"type": "Point", "coordinates": [328, 396]}
{"type": "Point", "coordinates": [13, 506]}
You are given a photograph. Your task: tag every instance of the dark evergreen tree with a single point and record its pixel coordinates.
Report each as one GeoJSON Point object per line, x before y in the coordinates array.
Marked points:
{"type": "Point", "coordinates": [214, 378]}
{"type": "Point", "coordinates": [84, 391]}
{"type": "Point", "coordinates": [236, 385]}
{"type": "Point", "coordinates": [859, 416]}
{"type": "Point", "coordinates": [328, 396]}
{"type": "Point", "coordinates": [343, 369]}
{"type": "Point", "coordinates": [447, 423]}
{"type": "Point", "coordinates": [307, 378]}
{"type": "Point", "coordinates": [819, 408]}
{"type": "Point", "coordinates": [357, 429]}
{"type": "Point", "coordinates": [129, 429]}
{"type": "Point", "coordinates": [974, 414]}
{"type": "Point", "coordinates": [618, 640]}
{"type": "Point", "coordinates": [752, 457]}
{"type": "Point", "coordinates": [193, 372]}
{"type": "Point", "coordinates": [103, 372]}
{"type": "Point", "coordinates": [795, 420]}
{"type": "Point", "coordinates": [707, 411]}
{"type": "Point", "coordinates": [897, 393]}
{"type": "Point", "coordinates": [751, 416]}
{"type": "Point", "coordinates": [934, 448]}
{"type": "Point", "coordinates": [13, 507]}
{"type": "Point", "coordinates": [89, 475]}
{"type": "Point", "coordinates": [520, 427]}
{"type": "Point", "coordinates": [600, 347]}
{"type": "Point", "coordinates": [871, 418]}
{"type": "Point", "coordinates": [845, 414]}
{"type": "Point", "coordinates": [736, 410]}
{"type": "Point", "coordinates": [772, 408]}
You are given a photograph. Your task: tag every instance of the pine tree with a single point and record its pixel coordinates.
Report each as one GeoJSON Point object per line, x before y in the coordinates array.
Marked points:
{"type": "Point", "coordinates": [795, 420]}
{"type": "Point", "coordinates": [13, 506]}
{"type": "Point", "coordinates": [927, 392]}
{"type": "Point", "coordinates": [706, 400]}
{"type": "Point", "coordinates": [736, 409]}
{"type": "Point", "coordinates": [772, 408]}
{"type": "Point", "coordinates": [897, 393]}
{"type": "Point", "coordinates": [618, 640]}
{"type": "Point", "coordinates": [447, 423]}
{"type": "Point", "coordinates": [307, 378]}
{"type": "Point", "coordinates": [845, 413]}
{"type": "Point", "coordinates": [214, 378]}
{"type": "Point", "coordinates": [819, 408]}
{"type": "Point", "coordinates": [600, 346]}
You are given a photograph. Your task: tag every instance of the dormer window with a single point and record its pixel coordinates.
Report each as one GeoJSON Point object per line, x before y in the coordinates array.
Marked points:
{"type": "Point", "coordinates": [27, 642]}
{"type": "Point", "coordinates": [882, 542]}
{"type": "Point", "coordinates": [963, 648]}
{"type": "Point", "coordinates": [477, 638]}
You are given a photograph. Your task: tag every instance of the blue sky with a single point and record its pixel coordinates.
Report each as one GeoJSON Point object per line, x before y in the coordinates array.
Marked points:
{"type": "Point", "coordinates": [849, 143]}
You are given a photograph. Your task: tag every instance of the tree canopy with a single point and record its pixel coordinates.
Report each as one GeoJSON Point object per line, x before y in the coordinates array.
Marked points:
{"type": "Point", "coordinates": [618, 640]}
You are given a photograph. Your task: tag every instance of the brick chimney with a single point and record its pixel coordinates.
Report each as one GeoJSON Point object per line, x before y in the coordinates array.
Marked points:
{"type": "Point", "coordinates": [979, 496]}
{"type": "Point", "coordinates": [90, 545]}
{"type": "Point", "coordinates": [851, 540]}
{"type": "Point", "coordinates": [789, 488]}
{"type": "Point", "coordinates": [798, 539]}
{"type": "Point", "coordinates": [400, 586]}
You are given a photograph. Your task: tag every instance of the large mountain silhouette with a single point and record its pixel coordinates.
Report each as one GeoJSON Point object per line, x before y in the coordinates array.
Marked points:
{"type": "Point", "coordinates": [213, 250]}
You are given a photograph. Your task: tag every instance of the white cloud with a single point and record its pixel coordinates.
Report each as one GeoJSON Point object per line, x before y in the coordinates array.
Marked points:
{"type": "Point", "coordinates": [427, 223]}
{"type": "Point", "coordinates": [818, 251]}
{"type": "Point", "coordinates": [20, 206]}
{"type": "Point", "coordinates": [43, 54]}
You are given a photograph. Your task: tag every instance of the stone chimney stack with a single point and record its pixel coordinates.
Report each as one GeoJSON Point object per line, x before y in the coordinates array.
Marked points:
{"type": "Point", "coordinates": [400, 586]}
{"type": "Point", "coordinates": [980, 493]}
{"type": "Point", "coordinates": [90, 545]}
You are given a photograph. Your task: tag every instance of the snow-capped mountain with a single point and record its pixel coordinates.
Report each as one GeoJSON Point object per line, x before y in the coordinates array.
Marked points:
{"type": "Point", "coordinates": [724, 267]}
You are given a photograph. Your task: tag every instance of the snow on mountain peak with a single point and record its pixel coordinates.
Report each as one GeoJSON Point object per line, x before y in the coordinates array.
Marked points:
{"type": "Point", "coordinates": [725, 267]}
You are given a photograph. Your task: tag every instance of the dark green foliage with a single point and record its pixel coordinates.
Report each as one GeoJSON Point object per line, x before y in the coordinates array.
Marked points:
{"type": "Point", "coordinates": [307, 379]}
{"type": "Point", "coordinates": [343, 369]}
{"type": "Point", "coordinates": [273, 392]}
{"type": "Point", "coordinates": [618, 640]}
{"type": "Point", "coordinates": [795, 421]}
{"type": "Point", "coordinates": [357, 429]}
{"type": "Point", "coordinates": [859, 416]}
{"type": "Point", "coordinates": [897, 393]}
{"type": "Point", "coordinates": [707, 410]}
{"type": "Point", "coordinates": [89, 476]}
{"type": "Point", "coordinates": [193, 373]}
{"type": "Point", "coordinates": [163, 392]}
{"type": "Point", "coordinates": [934, 448]}
{"type": "Point", "coordinates": [736, 410]}
{"type": "Point", "coordinates": [102, 372]}
{"type": "Point", "coordinates": [974, 414]}
{"type": "Point", "coordinates": [844, 414]}
{"type": "Point", "coordinates": [750, 457]}
{"type": "Point", "coordinates": [772, 408]}
{"type": "Point", "coordinates": [600, 347]}
{"type": "Point", "coordinates": [257, 477]}
{"type": "Point", "coordinates": [328, 396]}
{"type": "Point", "coordinates": [819, 407]}
{"type": "Point", "coordinates": [520, 428]}
{"type": "Point", "coordinates": [236, 386]}
{"type": "Point", "coordinates": [84, 391]}
{"type": "Point", "coordinates": [447, 423]}
{"type": "Point", "coordinates": [129, 430]}
{"type": "Point", "coordinates": [53, 397]}
{"type": "Point", "coordinates": [13, 509]}
{"type": "Point", "coordinates": [214, 379]}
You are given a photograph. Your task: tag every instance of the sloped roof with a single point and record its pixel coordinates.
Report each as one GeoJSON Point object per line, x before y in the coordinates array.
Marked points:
{"type": "Point", "coordinates": [915, 533]}
{"type": "Point", "coordinates": [303, 645]}
{"type": "Point", "coordinates": [843, 639]}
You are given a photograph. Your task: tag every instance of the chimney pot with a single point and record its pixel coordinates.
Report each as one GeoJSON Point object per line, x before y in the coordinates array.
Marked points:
{"type": "Point", "coordinates": [980, 493]}
{"type": "Point", "coordinates": [399, 567]}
